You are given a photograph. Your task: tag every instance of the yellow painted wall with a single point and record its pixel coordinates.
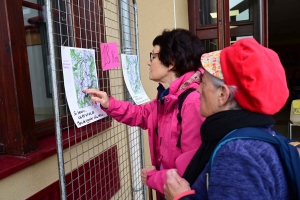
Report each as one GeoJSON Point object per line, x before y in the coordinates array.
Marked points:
{"type": "Point", "coordinates": [153, 17]}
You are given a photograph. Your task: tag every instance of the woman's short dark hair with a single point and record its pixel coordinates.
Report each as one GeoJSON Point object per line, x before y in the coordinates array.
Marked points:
{"type": "Point", "coordinates": [180, 48]}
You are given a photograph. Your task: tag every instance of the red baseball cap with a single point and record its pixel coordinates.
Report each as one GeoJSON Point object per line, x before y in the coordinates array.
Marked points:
{"type": "Point", "coordinates": [255, 70]}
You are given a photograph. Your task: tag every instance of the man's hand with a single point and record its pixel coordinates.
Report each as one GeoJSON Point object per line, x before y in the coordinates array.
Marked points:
{"type": "Point", "coordinates": [175, 185]}
{"type": "Point", "coordinates": [144, 172]}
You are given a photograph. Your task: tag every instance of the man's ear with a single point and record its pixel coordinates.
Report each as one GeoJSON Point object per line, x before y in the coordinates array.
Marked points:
{"type": "Point", "coordinates": [223, 95]}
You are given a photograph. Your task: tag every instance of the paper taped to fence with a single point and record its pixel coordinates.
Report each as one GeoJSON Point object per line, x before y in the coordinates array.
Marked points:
{"type": "Point", "coordinates": [132, 79]}
{"type": "Point", "coordinates": [109, 55]}
{"type": "Point", "coordinates": [79, 70]}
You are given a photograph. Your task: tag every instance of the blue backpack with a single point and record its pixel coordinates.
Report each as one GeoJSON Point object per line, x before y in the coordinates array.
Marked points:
{"type": "Point", "coordinates": [289, 151]}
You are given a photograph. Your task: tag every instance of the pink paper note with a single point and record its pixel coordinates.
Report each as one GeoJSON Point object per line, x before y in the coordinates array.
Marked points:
{"type": "Point", "coordinates": [109, 55]}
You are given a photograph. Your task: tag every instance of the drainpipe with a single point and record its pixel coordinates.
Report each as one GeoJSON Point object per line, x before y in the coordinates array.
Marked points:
{"type": "Point", "coordinates": [134, 143]}
{"type": "Point", "coordinates": [138, 57]}
{"type": "Point", "coordinates": [125, 26]}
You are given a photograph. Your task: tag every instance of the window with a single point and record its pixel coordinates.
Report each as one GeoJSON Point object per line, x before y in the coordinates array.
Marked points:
{"type": "Point", "coordinates": [208, 12]}
{"type": "Point", "coordinates": [38, 59]}
{"type": "Point", "coordinates": [227, 21]}
{"type": "Point", "coordinates": [25, 80]}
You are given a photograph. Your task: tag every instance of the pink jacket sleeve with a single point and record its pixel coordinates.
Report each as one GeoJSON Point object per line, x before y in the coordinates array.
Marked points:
{"type": "Point", "coordinates": [127, 113]}
{"type": "Point", "coordinates": [156, 180]}
{"type": "Point", "coordinates": [190, 141]}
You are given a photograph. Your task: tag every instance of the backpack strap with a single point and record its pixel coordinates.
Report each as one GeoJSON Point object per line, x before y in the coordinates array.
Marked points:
{"type": "Point", "coordinates": [286, 148]}
{"type": "Point", "coordinates": [181, 99]}
{"type": "Point", "coordinates": [243, 133]}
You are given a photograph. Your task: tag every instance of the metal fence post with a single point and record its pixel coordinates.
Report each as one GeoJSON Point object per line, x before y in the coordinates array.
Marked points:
{"type": "Point", "coordinates": [49, 20]}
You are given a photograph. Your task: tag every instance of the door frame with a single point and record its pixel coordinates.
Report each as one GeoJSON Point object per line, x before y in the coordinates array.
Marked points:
{"type": "Point", "coordinates": [221, 30]}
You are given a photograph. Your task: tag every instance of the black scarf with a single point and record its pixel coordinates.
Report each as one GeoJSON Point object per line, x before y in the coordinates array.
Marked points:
{"type": "Point", "coordinates": [214, 128]}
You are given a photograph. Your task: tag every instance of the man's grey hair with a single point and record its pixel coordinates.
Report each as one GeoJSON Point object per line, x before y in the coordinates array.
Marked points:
{"type": "Point", "coordinates": [232, 90]}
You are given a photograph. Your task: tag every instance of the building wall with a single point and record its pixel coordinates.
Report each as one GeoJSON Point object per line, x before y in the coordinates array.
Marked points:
{"type": "Point", "coordinates": [30, 180]}
{"type": "Point", "coordinates": [153, 17]}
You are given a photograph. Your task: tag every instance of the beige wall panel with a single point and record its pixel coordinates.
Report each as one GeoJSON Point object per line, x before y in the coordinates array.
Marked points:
{"type": "Point", "coordinates": [181, 8]}
{"type": "Point", "coordinates": [27, 182]}
{"type": "Point", "coordinates": [153, 17]}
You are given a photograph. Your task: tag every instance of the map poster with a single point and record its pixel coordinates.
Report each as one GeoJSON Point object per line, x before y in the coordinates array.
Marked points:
{"type": "Point", "coordinates": [79, 70]}
{"type": "Point", "coordinates": [132, 79]}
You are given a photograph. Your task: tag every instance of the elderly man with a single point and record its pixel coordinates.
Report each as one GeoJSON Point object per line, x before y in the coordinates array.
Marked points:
{"type": "Point", "coordinates": [242, 86]}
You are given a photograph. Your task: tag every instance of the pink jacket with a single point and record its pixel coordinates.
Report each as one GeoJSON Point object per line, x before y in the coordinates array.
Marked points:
{"type": "Point", "coordinates": [163, 151]}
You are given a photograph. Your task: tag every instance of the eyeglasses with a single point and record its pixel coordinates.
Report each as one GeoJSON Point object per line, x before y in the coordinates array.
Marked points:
{"type": "Point", "coordinates": [153, 55]}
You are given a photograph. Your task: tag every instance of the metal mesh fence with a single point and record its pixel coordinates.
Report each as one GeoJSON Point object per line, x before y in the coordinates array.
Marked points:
{"type": "Point", "coordinates": [101, 160]}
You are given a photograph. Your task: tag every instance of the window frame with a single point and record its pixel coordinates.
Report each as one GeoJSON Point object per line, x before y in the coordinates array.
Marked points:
{"type": "Point", "coordinates": [221, 31]}
{"type": "Point", "coordinates": [17, 123]}
{"type": "Point", "coordinates": [19, 133]}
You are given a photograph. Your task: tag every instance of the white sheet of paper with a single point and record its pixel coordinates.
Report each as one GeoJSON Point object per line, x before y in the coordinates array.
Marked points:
{"type": "Point", "coordinates": [79, 70]}
{"type": "Point", "coordinates": [132, 79]}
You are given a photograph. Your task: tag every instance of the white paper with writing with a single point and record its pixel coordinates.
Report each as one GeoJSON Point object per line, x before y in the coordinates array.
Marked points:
{"type": "Point", "coordinates": [132, 79]}
{"type": "Point", "coordinates": [79, 70]}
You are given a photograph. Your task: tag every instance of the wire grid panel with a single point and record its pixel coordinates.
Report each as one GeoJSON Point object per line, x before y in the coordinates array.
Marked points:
{"type": "Point", "coordinates": [102, 160]}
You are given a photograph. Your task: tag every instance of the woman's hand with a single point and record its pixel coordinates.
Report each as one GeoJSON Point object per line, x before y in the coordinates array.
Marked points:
{"type": "Point", "coordinates": [98, 96]}
{"type": "Point", "coordinates": [175, 185]}
{"type": "Point", "coordinates": [144, 172]}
